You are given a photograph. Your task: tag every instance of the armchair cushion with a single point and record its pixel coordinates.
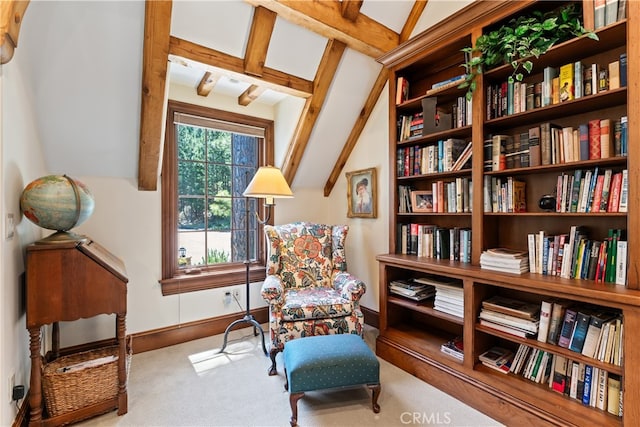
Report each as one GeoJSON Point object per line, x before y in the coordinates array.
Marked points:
{"type": "Point", "coordinates": [315, 303]}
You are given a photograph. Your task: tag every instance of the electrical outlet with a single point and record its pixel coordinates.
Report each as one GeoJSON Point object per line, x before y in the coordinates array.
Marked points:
{"type": "Point", "coordinates": [12, 383]}
{"type": "Point", "coordinates": [227, 298]}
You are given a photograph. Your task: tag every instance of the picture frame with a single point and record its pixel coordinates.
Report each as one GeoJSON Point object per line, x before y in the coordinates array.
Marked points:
{"type": "Point", "coordinates": [422, 201]}
{"type": "Point", "coordinates": [362, 194]}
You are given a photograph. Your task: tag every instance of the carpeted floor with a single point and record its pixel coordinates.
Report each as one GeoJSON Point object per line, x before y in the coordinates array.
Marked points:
{"type": "Point", "coordinates": [192, 384]}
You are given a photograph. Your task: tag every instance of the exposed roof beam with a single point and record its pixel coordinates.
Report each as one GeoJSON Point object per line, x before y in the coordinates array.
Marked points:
{"type": "Point", "coordinates": [412, 19]}
{"type": "Point", "coordinates": [325, 18]}
{"type": "Point", "coordinates": [350, 9]}
{"type": "Point", "coordinates": [258, 42]}
{"type": "Point", "coordinates": [196, 55]}
{"type": "Point", "coordinates": [11, 14]}
{"type": "Point", "coordinates": [361, 121]}
{"type": "Point", "coordinates": [251, 94]}
{"type": "Point", "coordinates": [157, 26]}
{"type": "Point", "coordinates": [207, 83]}
{"type": "Point", "coordinates": [324, 76]}
{"type": "Point", "coordinates": [370, 103]}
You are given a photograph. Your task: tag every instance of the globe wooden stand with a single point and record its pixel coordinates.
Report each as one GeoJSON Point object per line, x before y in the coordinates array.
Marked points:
{"type": "Point", "coordinates": [62, 237]}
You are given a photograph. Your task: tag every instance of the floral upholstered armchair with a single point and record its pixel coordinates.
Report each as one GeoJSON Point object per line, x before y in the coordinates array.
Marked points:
{"type": "Point", "coordinates": [307, 286]}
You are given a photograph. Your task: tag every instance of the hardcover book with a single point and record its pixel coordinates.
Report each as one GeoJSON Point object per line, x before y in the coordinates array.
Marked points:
{"type": "Point", "coordinates": [567, 327]}
{"type": "Point", "coordinates": [566, 83]}
{"type": "Point", "coordinates": [579, 331]}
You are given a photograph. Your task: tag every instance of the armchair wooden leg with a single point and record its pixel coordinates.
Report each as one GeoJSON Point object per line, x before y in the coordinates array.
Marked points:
{"type": "Point", "coordinates": [293, 400]}
{"type": "Point", "coordinates": [375, 392]}
{"type": "Point", "coordinates": [273, 352]}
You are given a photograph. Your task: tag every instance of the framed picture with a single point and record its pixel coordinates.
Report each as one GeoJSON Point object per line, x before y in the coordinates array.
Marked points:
{"type": "Point", "coordinates": [362, 196]}
{"type": "Point", "coordinates": [422, 201]}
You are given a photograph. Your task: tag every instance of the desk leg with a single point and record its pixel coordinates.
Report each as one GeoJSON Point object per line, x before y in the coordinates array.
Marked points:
{"type": "Point", "coordinates": [122, 364]}
{"type": "Point", "coordinates": [35, 385]}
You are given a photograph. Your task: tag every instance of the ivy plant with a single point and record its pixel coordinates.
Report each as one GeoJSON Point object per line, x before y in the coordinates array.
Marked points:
{"type": "Point", "coordinates": [520, 40]}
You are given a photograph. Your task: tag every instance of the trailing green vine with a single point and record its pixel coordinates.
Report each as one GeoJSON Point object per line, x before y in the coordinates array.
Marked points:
{"type": "Point", "coordinates": [519, 40]}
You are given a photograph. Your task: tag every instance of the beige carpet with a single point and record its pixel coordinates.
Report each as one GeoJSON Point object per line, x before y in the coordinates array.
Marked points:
{"type": "Point", "coordinates": [192, 385]}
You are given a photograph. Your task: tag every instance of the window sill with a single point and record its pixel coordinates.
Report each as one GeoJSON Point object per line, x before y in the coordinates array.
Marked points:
{"type": "Point", "coordinates": [182, 283]}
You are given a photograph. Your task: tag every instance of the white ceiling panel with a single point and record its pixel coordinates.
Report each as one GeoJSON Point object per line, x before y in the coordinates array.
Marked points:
{"type": "Point", "coordinates": [391, 14]}
{"type": "Point", "coordinates": [295, 50]}
{"type": "Point", "coordinates": [221, 25]}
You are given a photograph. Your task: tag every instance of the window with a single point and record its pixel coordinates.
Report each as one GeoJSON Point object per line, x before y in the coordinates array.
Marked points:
{"type": "Point", "coordinates": [209, 158]}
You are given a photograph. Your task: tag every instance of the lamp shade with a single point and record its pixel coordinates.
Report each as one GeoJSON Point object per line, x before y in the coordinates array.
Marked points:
{"type": "Point", "coordinates": [268, 183]}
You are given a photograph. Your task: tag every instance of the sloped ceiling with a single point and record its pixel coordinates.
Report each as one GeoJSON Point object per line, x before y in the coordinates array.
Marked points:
{"type": "Point", "coordinates": [82, 63]}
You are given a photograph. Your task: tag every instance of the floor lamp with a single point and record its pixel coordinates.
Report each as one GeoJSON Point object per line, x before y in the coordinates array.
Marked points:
{"type": "Point", "coordinates": [268, 183]}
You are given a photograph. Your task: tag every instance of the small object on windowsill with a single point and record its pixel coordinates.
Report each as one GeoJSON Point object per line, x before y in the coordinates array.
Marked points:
{"type": "Point", "coordinates": [192, 271]}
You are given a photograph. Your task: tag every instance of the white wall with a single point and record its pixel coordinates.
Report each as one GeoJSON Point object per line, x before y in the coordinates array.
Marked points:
{"type": "Point", "coordinates": [367, 236]}
{"type": "Point", "coordinates": [21, 162]}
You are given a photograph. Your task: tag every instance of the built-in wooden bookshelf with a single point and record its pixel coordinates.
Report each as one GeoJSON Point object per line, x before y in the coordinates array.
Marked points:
{"type": "Point", "coordinates": [411, 332]}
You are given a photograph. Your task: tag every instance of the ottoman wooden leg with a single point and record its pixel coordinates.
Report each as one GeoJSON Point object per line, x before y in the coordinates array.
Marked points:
{"type": "Point", "coordinates": [293, 400]}
{"type": "Point", "coordinates": [273, 352]}
{"type": "Point", "coordinates": [375, 392]}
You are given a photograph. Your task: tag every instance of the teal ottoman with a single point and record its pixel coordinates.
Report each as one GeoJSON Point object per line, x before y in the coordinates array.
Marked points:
{"type": "Point", "coordinates": [329, 361]}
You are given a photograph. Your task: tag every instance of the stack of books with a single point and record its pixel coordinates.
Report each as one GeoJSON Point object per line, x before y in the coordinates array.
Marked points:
{"type": "Point", "coordinates": [505, 260]}
{"type": "Point", "coordinates": [449, 295]}
{"type": "Point", "coordinates": [412, 289]}
{"type": "Point", "coordinates": [453, 348]}
{"type": "Point", "coordinates": [511, 316]}
{"type": "Point", "coordinates": [497, 358]}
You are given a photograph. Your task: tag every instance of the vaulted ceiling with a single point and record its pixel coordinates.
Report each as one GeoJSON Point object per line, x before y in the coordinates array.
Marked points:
{"type": "Point", "coordinates": [259, 51]}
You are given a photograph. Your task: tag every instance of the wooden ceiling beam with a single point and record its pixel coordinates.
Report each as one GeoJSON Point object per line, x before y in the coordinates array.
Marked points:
{"type": "Point", "coordinates": [358, 127]}
{"type": "Point", "coordinates": [251, 94]}
{"type": "Point", "coordinates": [412, 19]}
{"type": "Point", "coordinates": [11, 14]}
{"type": "Point", "coordinates": [195, 55]}
{"type": "Point", "coordinates": [157, 26]}
{"type": "Point", "coordinates": [324, 76]}
{"type": "Point", "coordinates": [325, 18]}
{"type": "Point", "coordinates": [370, 103]}
{"type": "Point", "coordinates": [258, 43]}
{"type": "Point", "coordinates": [207, 83]}
{"type": "Point", "coordinates": [350, 9]}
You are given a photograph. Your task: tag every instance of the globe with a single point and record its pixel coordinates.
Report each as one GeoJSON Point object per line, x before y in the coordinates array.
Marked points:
{"type": "Point", "coordinates": [57, 202]}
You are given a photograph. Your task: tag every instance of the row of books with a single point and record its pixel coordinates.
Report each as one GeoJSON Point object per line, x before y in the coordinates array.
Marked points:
{"type": "Point", "coordinates": [454, 196]}
{"type": "Point", "coordinates": [592, 191]}
{"type": "Point", "coordinates": [574, 256]}
{"type": "Point", "coordinates": [588, 384]}
{"type": "Point", "coordinates": [504, 260]}
{"type": "Point", "coordinates": [402, 87]}
{"type": "Point", "coordinates": [504, 194]}
{"type": "Point", "coordinates": [434, 118]}
{"type": "Point", "coordinates": [591, 331]}
{"type": "Point", "coordinates": [447, 155]}
{"type": "Point", "coordinates": [600, 13]}
{"type": "Point", "coordinates": [410, 126]}
{"type": "Point", "coordinates": [559, 84]}
{"type": "Point", "coordinates": [549, 144]}
{"type": "Point", "coordinates": [431, 241]}
{"type": "Point", "coordinates": [412, 289]}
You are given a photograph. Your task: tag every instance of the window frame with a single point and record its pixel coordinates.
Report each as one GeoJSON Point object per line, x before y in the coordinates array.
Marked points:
{"type": "Point", "coordinates": [175, 280]}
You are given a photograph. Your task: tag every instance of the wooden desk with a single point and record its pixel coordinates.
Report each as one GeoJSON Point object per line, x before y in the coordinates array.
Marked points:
{"type": "Point", "coordinates": [67, 282]}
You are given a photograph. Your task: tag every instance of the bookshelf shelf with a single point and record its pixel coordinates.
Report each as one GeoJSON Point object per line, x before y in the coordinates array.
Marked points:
{"type": "Point", "coordinates": [411, 333]}
{"type": "Point", "coordinates": [425, 308]}
{"type": "Point", "coordinates": [561, 167]}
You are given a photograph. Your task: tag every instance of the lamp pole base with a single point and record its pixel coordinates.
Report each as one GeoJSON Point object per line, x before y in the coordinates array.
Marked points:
{"type": "Point", "coordinates": [248, 318]}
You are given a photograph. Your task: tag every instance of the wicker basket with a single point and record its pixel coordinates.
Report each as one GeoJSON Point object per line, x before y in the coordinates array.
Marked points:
{"type": "Point", "coordinates": [68, 391]}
